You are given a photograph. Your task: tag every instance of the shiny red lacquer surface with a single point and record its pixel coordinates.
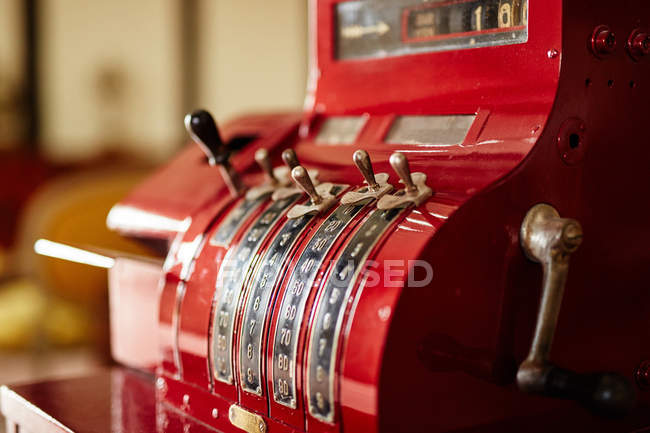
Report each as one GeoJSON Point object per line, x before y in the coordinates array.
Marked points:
{"type": "Point", "coordinates": [133, 300]}
{"type": "Point", "coordinates": [441, 357]}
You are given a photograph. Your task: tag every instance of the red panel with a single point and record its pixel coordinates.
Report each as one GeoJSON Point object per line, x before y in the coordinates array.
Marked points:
{"type": "Point", "coordinates": [476, 316]}
{"type": "Point", "coordinates": [178, 269]}
{"type": "Point", "coordinates": [116, 400]}
{"type": "Point", "coordinates": [133, 298]}
{"type": "Point", "coordinates": [188, 184]}
{"type": "Point", "coordinates": [450, 82]}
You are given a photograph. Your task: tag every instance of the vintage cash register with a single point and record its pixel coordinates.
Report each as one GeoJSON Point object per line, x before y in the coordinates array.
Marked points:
{"type": "Point", "coordinates": [452, 236]}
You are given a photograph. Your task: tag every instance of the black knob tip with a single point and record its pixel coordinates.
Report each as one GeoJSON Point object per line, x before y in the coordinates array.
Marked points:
{"type": "Point", "coordinates": [606, 394]}
{"type": "Point", "coordinates": [203, 130]}
{"type": "Point", "coordinates": [612, 395]}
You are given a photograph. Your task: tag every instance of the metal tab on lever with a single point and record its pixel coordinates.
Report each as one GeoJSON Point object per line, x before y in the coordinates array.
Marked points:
{"type": "Point", "coordinates": [276, 178]}
{"type": "Point", "coordinates": [377, 184]}
{"type": "Point", "coordinates": [291, 160]}
{"type": "Point", "coordinates": [203, 130]}
{"type": "Point", "coordinates": [415, 189]}
{"type": "Point", "coordinates": [321, 196]}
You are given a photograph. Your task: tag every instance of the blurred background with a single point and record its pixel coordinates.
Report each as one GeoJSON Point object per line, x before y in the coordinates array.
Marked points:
{"type": "Point", "coordinates": [92, 98]}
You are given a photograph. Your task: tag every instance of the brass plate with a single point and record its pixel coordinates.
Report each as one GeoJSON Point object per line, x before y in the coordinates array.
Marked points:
{"type": "Point", "coordinates": [245, 420]}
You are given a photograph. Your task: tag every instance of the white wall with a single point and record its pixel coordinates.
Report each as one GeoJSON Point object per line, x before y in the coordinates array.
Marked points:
{"type": "Point", "coordinates": [137, 40]}
{"type": "Point", "coordinates": [253, 55]}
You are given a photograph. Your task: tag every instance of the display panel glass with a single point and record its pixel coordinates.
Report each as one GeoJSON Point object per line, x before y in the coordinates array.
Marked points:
{"type": "Point", "coordinates": [340, 130]}
{"type": "Point", "coordinates": [430, 130]}
{"type": "Point", "coordinates": [384, 28]}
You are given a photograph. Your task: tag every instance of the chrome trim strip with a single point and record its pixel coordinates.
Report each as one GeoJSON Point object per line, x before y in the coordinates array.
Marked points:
{"type": "Point", "coordinates": [330, 309]}
{"type": "Point", "coordinates": [287, 328]}
{"type": "Point", "coordinates": [232, 273]}
{"type": "Point", "coordinates": [235, 219]}
{"type": "Point", "coordinates": [257, 304]}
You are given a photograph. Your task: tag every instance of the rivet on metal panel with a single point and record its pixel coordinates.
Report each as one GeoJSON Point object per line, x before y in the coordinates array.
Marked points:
{"type": "Point", "coordinates": [642, 375]}
{"type": "Point", "coordinates": [603, 41]}
{"type": "Point", "coordinates": [161, 385]}
{"type": "Point", "coordinates": [638, 44]}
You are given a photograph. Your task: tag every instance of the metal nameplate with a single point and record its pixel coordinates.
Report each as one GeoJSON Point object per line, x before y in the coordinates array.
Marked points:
{"type": "Point", "coordinates": [292, 307]}
{"type": "Point", "coordinates": [323, 341]}
{"type": "Point", "coordinates": [235, 219]}
{"type": "Point", "coordinates": [231, 279]}
{"type": "Point", "coordinates": [257, 303]}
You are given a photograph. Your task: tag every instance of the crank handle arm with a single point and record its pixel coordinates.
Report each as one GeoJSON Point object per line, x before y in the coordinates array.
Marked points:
{"type": "Point", "coordinates": [549, 240]}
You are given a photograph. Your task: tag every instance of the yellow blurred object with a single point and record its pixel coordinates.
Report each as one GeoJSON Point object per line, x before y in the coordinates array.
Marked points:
{"type": "Point", "coordinates": [27, 315]}
{"type": "Point", "coordinates": [22, 304]}
{"type": "Point", "coordinates": [66, 323]}
{"type": "Point", "coordinates": [72, 210]}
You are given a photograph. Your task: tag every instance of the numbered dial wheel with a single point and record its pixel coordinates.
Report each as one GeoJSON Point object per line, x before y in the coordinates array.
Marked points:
{"type": "Point", "coordinates": [484, 16]}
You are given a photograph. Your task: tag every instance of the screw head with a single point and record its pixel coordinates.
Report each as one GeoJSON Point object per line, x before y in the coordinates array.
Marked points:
{"type": "Point", "coordinates": [603, 41]}
{"type": "Point", "coordinates": [642, 375]}
{"type": "Point", "coordinates": [638, 44]}
{"type": "Point", "coordinates": [161, 385]}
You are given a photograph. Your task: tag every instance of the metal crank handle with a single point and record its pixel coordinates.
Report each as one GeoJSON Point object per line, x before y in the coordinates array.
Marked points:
{"type": "Point", "coordinates": [549, 240]}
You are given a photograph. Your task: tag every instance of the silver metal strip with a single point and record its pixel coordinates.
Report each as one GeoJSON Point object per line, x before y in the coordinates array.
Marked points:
{"type": "Point", "coordinates": [231, 278]}
{"type": "Point", "coordinates": [235, 219]}
{"type": "Point", "coordinates": [287, 329]}
{"type": "Point", "coordinates": [326, 330]}
{"type": "Point", "coordinates": [257, 304]}
{"type": "Point", "coordinates": [259, 299]}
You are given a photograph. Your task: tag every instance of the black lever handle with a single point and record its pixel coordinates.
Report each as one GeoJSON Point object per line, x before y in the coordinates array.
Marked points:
{"type": "Point", "coordinates": [203, 130]}
{"type": "Point", "coordinates": [606, 394]}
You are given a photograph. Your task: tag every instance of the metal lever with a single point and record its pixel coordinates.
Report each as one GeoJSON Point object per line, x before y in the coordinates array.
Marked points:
{"type": "Point", "coordinates": [287, 190]}
{"type": "Point", "coordinates": [415, 189]}
{"type": "Point", "coordinates": [275, 177]}
{"type": "Point", "coordinates": [203, 130]}
{"type": "Point", "coordinates": [321, 196]}
{"type": "Point", "coordinates": [263, 160]}
{"type": "Point", "coordinates": [290, 158]}
{"type": "Point", "coordinates": [549, 240]}
{"type": "Point", "coordinates": [377, 184]}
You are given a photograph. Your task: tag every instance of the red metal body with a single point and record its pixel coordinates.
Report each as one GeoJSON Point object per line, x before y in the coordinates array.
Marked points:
{"type": "Point", "coordinates": [474, 321]}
